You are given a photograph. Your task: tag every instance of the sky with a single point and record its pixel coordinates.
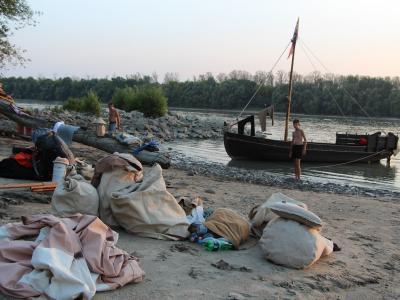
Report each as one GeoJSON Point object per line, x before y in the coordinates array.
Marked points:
{"type": "Point", "coordinates": [99, 38]}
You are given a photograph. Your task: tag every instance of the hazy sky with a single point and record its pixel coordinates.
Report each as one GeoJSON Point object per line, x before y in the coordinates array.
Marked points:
{"type": "Point", "coordinates": [99, 38]}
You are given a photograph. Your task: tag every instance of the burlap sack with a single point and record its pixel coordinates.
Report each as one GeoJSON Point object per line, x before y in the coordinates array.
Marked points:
{"type": "Point", "coordinates": [146, 208]}
{"type": "Point", "coordinates": [260, 215]}
{"type": "Point", "coordinates": [230, 225]}
{"type": "Point", "coordinates": [75, 196]}
{"type": "Point", "coordinates": [113, 181]}
{"type": "Point", "coordinates": [294, 245]}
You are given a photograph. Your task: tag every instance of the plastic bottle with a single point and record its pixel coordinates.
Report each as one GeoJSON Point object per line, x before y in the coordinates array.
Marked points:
{"type": "Point", "coordinates": [213, 244]}
{"type": "Point", "coordinates": [201, 229]}
{"type": "Point", "coordinates": [202, 239]}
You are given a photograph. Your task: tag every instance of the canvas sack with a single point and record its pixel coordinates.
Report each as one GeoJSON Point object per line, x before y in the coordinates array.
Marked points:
{"type": "Point", "coordinates": [75, 196]}
{"type": "Point", "coordinates": [113, 181]}
{"type": "Point", "coordinates": [146, 208]}
{"type": "Point", "coordinates": [294, 245]}
{"type": "Point", "coordinates": [260, 215]}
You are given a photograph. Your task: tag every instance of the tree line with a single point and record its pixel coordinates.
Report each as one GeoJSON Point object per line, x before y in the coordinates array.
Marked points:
{"type": "Point", "coordinates": [315, 93]}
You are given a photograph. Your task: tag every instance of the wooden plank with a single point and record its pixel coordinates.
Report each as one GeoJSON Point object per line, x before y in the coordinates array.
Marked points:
{"type": "Point", "coordinates": [26, 185]}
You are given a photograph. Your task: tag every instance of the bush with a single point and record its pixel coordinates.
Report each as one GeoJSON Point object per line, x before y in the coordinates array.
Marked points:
{"type": "Point", "coordinates": [89, 103]}
{"type": "Point", "coordinates": [124, 98]}
{"type": "Point", "coordinates": [152, 102]}
{"type": "Point", "coordinates": [149, 100]}
{"type": "Point", "coordinates": [73, 104]}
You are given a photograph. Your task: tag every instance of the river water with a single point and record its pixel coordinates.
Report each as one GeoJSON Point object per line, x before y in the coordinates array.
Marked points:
{"type": "Point", "coordinates": [316, 128]}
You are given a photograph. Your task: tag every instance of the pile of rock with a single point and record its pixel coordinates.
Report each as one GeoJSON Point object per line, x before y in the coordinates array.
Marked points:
{"type": "Point", "coordinates": [170, 127]}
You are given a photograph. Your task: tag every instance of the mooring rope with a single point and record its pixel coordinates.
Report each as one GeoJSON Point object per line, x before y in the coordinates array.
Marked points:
{"type": "Point", "coordinates": [345, 163]}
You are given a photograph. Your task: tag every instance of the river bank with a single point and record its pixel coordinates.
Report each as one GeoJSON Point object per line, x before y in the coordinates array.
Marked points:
{"type": "Point", "coordinates": [178, 129]}
{"type": "Point", "coordinates": [365, 228]}
{"type": "Point", "coordinates": [266, 178]}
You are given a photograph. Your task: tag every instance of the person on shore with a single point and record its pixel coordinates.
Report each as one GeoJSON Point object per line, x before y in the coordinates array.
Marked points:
{"type": "Point", "coordinates": [298, 148]}
{"type": "Point", "coordinates": [113, 118]}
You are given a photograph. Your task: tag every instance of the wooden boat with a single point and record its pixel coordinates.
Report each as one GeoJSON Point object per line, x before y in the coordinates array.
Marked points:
{"type": "Point", "coordinates": [348, 148]}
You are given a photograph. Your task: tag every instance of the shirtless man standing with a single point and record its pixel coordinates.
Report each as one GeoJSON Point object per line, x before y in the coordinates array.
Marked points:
{"type": "Point", "coordinates": [113, 118]}
{"type": "Point", "coordinates": [298, 148]}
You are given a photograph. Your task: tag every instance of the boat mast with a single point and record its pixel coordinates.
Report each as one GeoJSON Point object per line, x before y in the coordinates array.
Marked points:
{"type": "Point", "coordinates": [289, 97]}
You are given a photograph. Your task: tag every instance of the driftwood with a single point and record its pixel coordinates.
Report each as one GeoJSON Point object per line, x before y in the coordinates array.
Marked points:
{"type": "Point", "coordinates": [23, 119]}
{"type": "Point", "coordinates": [88, 138]}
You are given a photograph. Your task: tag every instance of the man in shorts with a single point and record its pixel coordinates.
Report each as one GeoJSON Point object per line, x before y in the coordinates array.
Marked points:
{"type": "Point", "coordinates": [113, 118]}
{"type": "Point", "coordinates": [298, 148]}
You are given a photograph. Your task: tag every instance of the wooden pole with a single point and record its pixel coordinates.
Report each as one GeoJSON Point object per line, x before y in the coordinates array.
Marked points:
{"type": "Point", "coordinates": [28, 185]}
{"type": "Point", "coordinates": [289, 97]}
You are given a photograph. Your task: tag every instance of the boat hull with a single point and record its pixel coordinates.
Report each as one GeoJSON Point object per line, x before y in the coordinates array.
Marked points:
{"type": "Point", "coordinates": [239, 146]}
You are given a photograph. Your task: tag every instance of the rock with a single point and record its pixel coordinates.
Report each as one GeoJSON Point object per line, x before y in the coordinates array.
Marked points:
{"type": "Point", "coordinates": [235, 296]}
{"type": "Point", "coordinates": [181, 136]}
{"type": "Point", "coordinates": [223, 265]}
{"type": "Point", "coordinates": [191, 173]}
{"type": "Point", "coordinates": [139, 125]}
{"type": "Point", "coordinates": [195, 273]}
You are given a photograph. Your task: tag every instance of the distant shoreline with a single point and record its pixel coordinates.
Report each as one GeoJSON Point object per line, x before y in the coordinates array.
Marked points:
{"type": "Point", "coordinates": [218, 111]}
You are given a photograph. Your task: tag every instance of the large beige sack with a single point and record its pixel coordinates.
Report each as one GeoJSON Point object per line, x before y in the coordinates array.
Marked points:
{"type": "Point", "coordinates": [113, 181]}
{"type": "Point", "coordinates": [260, 215]}
{"type": "Point", "coordinates": [148, 209]}
{"type": "Point", "coordinates": [75, 196]}
{"type": "Point", "coordinates": [291, 244]}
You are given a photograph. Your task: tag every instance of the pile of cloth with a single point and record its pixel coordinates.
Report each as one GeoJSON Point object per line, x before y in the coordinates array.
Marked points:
{"type": "Point", "coordinates": [290, 234]}
{"type": "Point", "coordinates": [68, 258]}
{"type": "Point", "coordinates": [122, 195]}
{"type": "Point", "coordinates": [131, 140]}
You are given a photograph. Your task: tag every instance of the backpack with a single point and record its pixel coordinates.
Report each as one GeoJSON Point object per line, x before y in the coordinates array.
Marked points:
{"type": "Point", "coordinates": [47, 148]}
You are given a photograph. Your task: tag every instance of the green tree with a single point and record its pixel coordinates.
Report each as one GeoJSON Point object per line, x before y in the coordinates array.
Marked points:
{"type": "Point", "coordinates": [14, 14]}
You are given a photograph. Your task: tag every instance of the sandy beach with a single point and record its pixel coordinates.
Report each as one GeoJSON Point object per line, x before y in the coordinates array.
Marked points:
{"type": "Point", "coordinates": [366, 229]}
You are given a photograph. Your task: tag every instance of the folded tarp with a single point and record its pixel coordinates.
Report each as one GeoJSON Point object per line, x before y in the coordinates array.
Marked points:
{"type": "Point", "coordinates": [71, 258]}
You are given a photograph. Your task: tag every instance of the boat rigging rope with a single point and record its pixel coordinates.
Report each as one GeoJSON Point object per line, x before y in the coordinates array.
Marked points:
{"type": "Point", "coordinates": [346, 163]}
{"type": "Point", "coordinates": [315, 69]}
{"type": "Point", "coordinates": [328, 71]}
{"type": "Point", "coordinates": [263, 81]}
